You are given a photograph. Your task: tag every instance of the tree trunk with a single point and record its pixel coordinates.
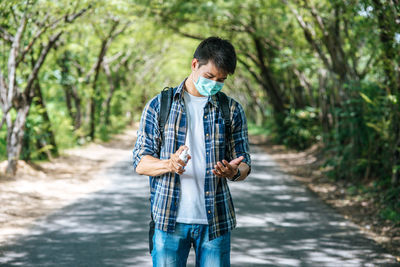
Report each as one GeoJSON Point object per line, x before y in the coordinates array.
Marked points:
{"type": "Point", "coordinates": [95, 93]}
{"type": "Point", "coordinates": [70, 91]}
{"type": "Point", "coordinates": [113, 84]}
{"type": "Point", "coordinates": [15, 133]}
{"type": "Point", "coordinates": [40, 102]}
{"type": "Point", "coordinates": [269, 83]}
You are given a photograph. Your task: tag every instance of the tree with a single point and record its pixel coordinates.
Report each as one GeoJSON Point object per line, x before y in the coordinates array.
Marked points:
{"type": "Point", "coordinates": [18, 96]}
{"type": "Point", "coordinates": [388, 16]}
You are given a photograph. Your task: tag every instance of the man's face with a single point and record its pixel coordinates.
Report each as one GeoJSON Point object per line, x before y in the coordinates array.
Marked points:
{"type": "Point", "coordinates": [208, 71]}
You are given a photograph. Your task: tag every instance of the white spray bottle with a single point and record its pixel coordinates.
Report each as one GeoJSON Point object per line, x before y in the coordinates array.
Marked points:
{"type": "Point", "coordinates": [184, 155]}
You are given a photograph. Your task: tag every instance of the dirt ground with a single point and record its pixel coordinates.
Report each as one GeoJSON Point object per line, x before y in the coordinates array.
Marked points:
{"type": "Point", "coordinates": [37, 190]}
{"type": "Point", "coordinates": [306, 167]}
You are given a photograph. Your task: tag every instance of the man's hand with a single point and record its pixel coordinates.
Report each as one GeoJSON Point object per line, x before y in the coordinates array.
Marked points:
{"type": "Point", "coordinates": [227, 169]}
{"type": "Point", "coordinates": [175, 164]}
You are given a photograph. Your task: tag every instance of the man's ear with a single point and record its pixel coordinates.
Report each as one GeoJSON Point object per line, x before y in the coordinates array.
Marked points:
{"type": "Point", "coordinates": [195, 62]}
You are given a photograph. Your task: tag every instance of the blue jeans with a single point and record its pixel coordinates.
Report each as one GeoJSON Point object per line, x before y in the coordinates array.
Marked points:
{"type": "Point", "coordinates": [172, 249]}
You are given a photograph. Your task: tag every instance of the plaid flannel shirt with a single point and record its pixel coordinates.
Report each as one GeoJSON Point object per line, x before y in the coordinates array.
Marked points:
{"type": "Point", "coordinates": [164, 189]}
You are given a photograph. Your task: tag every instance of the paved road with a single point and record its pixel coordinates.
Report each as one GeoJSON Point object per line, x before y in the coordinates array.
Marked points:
{"type": "Point", "coordinates": [280, 223]}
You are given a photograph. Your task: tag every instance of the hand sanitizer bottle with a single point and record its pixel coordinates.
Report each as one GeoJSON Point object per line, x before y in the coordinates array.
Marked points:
{"type": "Point", "coordinates": [184, 155]}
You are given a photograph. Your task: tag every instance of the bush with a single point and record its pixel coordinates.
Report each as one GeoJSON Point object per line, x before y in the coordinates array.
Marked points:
{"type": "Point", "coordinates": [301, 128]}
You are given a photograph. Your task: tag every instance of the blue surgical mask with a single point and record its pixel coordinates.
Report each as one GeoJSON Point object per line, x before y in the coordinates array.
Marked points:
{"type": "Point", "coordinates": [207, 87]}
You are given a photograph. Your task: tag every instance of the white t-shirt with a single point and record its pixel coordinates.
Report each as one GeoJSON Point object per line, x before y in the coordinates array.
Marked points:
{"type": "Point", "coordinates": [191, 207]}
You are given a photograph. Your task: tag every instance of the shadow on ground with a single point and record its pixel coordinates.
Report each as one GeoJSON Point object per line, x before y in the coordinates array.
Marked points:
{"type": "Point", "coordinates": [280, 223]}
{"type": "Point", "coordinates": [107, 228]}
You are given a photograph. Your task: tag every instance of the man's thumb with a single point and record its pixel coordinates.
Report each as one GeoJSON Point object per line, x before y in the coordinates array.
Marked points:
{"type": "Point", "coordinates": [237, 160]}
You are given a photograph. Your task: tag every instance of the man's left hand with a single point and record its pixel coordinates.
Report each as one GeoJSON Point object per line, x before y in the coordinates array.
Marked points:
{"type": "Point", "coordinates": [227, 169]}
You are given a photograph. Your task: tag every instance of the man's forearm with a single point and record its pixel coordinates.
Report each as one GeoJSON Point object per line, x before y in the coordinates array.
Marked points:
{"type": "Point", "coordinates": [152, 166]}
{"type": "Point", "coordinates": [244, 170]}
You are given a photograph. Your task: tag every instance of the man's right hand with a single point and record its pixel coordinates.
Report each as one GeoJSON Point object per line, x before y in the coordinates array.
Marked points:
{"type": "Point", "coordinates": [175, 164]}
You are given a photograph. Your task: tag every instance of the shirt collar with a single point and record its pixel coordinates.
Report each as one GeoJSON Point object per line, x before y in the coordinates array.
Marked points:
{"type": "Point", "coordinates": [179, 94]}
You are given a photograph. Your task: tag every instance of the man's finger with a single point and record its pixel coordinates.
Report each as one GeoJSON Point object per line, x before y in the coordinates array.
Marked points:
{"type": "Point", "coordinates": [222, 167]}
{"type": "Point", "coordinates": [217, 173]}
{"type": "Point", "coordinates": [181, 162]}
{"type": "Point", "coordinates": [217, 168]}
{"type": "Point", "coordinates": [230, 168]}
{"type": "Point", "coordinates": [177, 167]}
{"type": "Point", "coordinates": [180, 149]}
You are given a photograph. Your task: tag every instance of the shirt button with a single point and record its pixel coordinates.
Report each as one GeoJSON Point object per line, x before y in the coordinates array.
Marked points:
{"type": "Point", "coordinates": [208, 172]}
{"type": "Point", "coordinates": [209, 211]}
{"type": "Point", "coordinates": [205, 117]}
{"type": "Point", "coordinates": [207, 193]}
{"type": "Point", "coordinates": [207, 134]}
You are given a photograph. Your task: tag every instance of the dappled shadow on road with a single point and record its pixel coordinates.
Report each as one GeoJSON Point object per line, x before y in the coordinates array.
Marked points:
{"type": "Point", "coordinates": [107, 228]}
{"type": "Point", "coordinates": [281, 223]}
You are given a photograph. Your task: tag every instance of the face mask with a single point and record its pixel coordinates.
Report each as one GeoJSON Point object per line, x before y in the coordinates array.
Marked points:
{"type": "Point", "coordinates": [207, 87]}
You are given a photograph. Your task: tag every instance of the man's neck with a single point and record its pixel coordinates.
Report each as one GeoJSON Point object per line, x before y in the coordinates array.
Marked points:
{"type": "Point", "coordinates": [190, 88]}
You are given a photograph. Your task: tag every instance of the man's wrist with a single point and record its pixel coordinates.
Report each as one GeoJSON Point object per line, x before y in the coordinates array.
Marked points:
{"type": "Point", "coordinates": [167, 163]}
{"type": "Point", "coordinates": [236, 176]}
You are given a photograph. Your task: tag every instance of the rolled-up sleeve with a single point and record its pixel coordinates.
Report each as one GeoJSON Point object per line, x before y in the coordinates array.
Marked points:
{"type": "Point", "coordinates": [148, 135]}
{"type": "Point", "coordinates": [240, 140]}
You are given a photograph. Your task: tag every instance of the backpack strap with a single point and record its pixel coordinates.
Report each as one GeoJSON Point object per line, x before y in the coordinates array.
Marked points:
{"type": "Point", "coordinates": [226, 114]}
{"type": "Point", "coordinates": [165, 107]}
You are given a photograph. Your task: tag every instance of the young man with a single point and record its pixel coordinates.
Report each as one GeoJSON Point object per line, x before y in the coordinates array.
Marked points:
{"type": "Point", "coordinates": [191, 202]}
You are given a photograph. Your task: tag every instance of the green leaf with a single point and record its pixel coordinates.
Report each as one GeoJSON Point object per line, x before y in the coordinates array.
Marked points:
{"type": "Point", "coordinates": [367, 99]}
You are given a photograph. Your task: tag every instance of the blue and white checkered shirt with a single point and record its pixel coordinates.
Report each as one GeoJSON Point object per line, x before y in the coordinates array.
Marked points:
{"type": "Point", "coordinates": [165, 188]}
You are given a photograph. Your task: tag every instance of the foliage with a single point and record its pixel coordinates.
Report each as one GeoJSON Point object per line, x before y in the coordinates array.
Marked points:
{"type": "Point", "coordinates": [139, 59]}
{"type": "Point", "coordinates": [362, 136]}
{"type": "Point", "coordinates": [302, 128]}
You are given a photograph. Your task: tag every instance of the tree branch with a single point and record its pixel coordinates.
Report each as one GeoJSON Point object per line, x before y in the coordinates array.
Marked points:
{"type": "Point", "coordinates": [3, 91]}
{"type": "Point", "coordinates": [6, 36]}
{"type": "Point", "coordinates": [186, 34]}
{"type": "Point", "coordinates": [309, 35]}
{"type": "Point", "coordinates": [248, 68]}
{"type": "Point", "coordinates": [121, 30]}
{"type": "Point", "coordinates": [40, 61]}
{"type": "Point", "coordinates": [51, 25]}
{"type": "Point", "coordinates": [12, 60]}
{"type": "Point", "coordinates": [366, 68]}
{"type": "Point", "coordinates": [5, 116]}
{"type": "Point", "coordinates": [73, 17]}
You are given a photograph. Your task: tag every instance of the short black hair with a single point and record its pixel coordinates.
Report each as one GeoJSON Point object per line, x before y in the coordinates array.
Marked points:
{"type": "Point", "coordinates": [221, 52]}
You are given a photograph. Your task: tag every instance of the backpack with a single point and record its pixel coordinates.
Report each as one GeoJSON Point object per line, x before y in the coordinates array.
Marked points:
{"type": "Point", "coordinates": [165, 107]}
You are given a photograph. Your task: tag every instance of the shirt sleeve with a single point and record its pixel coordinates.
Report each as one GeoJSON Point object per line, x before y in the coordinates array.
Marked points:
{"type": "Point", "coordinates": [148, 135]}
{"type": "Point", "coordinates": [240, 140]}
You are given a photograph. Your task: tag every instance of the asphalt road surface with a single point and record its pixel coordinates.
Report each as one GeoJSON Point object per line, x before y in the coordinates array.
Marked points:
{"type": "Point", "coordinates": [280, 223]}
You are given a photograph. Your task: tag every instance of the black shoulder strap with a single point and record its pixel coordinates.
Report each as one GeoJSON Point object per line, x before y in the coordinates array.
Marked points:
{"type": "Point", "coordinates": [165, 106]}
{"type": "Point", "coordinates": [226, 113]}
